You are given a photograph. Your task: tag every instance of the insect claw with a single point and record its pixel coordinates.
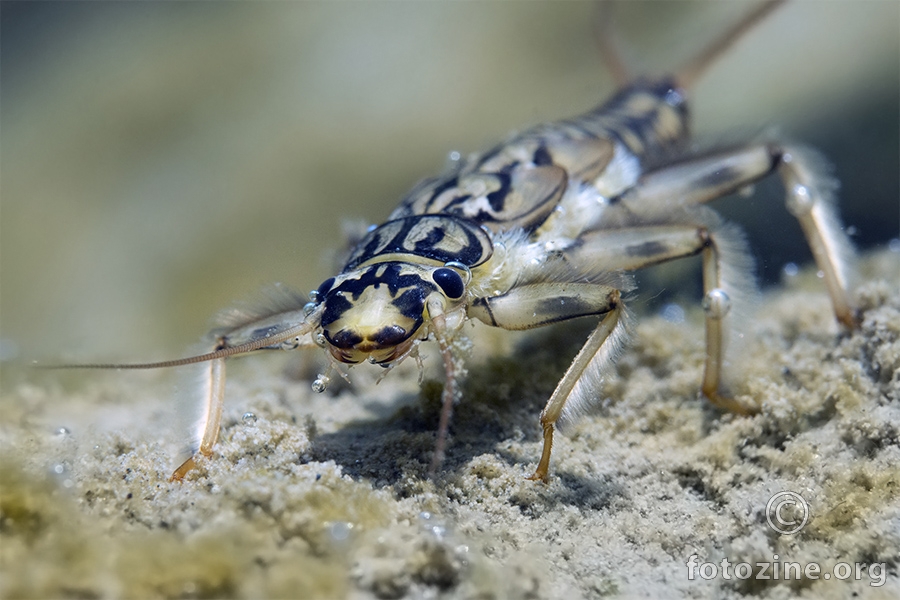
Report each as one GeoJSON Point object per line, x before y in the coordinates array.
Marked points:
{"type": "Point", "coordinates": [183, 470]}
{"type": "Point", "coordinates": [542, 472]}
{"type": "Point", "coordinates": [419, 364]}
{"type": "Point", "coordinates": [730, 404]}
{"type": "Point", "coordinates": [539, 476]}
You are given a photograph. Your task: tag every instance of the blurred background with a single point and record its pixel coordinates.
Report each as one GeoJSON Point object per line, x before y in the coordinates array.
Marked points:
{"type": "Point", "coordinates": [160, 160]}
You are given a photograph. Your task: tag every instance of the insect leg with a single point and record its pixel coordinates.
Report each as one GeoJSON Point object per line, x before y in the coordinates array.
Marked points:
{"type": "Point", "coordinates": [724, 275]}
{"type": "Point", "coordinates": [809, 197]}
{"type": "Point", "coordinates": [538, 304]}
{"type": "Point", "coordinates": [541, 303]}
{"type": "Point", "coordinates": [453, 370]}
{"type": "Point", "coordinates": [632, 248]}
{"type": "Point", "coordinates": [285, 330]}
{"type": "Point", "coordinates": [211, 419]}
{"type": "Point", "coordinates": [716, 304]}
{"type": "Point", "coordinates": [588, 354]}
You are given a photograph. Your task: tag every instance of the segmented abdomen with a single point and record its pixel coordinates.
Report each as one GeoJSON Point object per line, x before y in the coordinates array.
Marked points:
{"type": "Point", "coordinates": [649, 117]}
{"type": "Point", "coordinates": [518, 183]}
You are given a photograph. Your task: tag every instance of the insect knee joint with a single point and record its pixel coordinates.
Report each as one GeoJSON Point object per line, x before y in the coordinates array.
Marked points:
{"type": "Point", "coordinates": [705, 238]}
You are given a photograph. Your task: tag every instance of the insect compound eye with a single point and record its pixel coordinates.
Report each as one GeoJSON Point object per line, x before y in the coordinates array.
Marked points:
{"type": "Point", "coordinates": [319, 294]}
{"type": "Point", "coordinates": [450, 282]}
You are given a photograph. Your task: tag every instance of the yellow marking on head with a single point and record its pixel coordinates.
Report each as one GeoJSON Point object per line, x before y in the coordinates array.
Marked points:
{"type": "Point", "coordinates": [373, 326]}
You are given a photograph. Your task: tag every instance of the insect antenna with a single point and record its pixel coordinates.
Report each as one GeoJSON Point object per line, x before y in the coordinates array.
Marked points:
{"type": "Point", "coordinates": [688, 75]}
{"type": "Point", "coordinates": [245, 348]}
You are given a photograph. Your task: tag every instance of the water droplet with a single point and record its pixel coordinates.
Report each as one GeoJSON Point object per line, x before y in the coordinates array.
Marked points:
{"type": "Point", "coordinates": [791, 269]}
{"type": "Point", "coordinates": [248, 417]}
{"type": "Point", "coordinates": [894, 245]}
{"type": "Point", "coordinates": [320, 384]}
{"type": "Point", "coordinates": [820, 274]}
{"type": "Point", "coordinates": [59, 469]}
{"type": "Point", "coordinates": [340, 530]}
{"type": "Point", "coordinates": [716, 303]}
{"type": "Point", "coordinates": [291, 344]}
{"type": "Point", "coordinates": [63, 431]}
{"type": "Point", "coordinates": [674, 98]}
{"type": "Point", "coordinates": [425, 515]}
{"type": "Point", "coordinates": [799, 201]}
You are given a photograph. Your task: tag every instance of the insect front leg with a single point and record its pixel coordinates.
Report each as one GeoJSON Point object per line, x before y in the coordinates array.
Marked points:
{"type": "Point", "coordinates": [444, 333]}
{"type": "Point", "coordinates": [285, 330]}
{"type": "Point", "coordinates": [589, 353]}
{"type": "Point", "coordinates": [537, 304]}
{"type": "Point", "coordinates": [211, 419]}
{"type": "Point", "coordinates": [809, 197]}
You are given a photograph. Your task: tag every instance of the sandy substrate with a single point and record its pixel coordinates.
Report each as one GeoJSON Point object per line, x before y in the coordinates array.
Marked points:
{"type": "Point", "coordinates": [328, 496]}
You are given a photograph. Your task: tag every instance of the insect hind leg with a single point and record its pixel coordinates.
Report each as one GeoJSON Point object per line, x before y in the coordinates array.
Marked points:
{"type": "Point", "coordinates": [701, 179]}
{"type": "Point", "coordinates": [810, 198]}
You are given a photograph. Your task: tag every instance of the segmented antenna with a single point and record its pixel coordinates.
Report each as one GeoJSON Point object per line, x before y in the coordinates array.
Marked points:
{"type": "Point", "coordinates": [251, 346]}
{"type": "Point", "coordinates": [688, 75]}
{"type": "Point", "coordinates": [605, 36]}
